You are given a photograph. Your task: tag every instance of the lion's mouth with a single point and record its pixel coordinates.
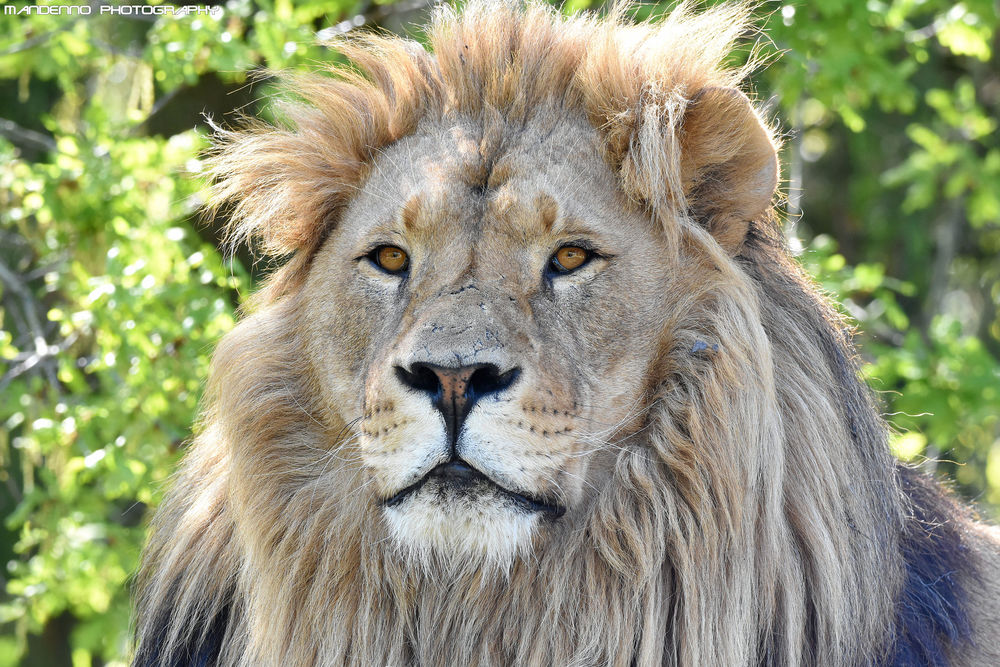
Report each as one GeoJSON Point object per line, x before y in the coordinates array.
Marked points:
{"type": "Point", "coordinates": [459, 476]}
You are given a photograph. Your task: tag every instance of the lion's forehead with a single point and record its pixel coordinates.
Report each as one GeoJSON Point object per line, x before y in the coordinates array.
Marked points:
{"type": "Point", "coordinates": [443, 168]}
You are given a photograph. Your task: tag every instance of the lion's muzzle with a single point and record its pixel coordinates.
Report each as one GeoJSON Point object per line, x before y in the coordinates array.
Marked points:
{"type": "Point", "coordinates": [454, 390]}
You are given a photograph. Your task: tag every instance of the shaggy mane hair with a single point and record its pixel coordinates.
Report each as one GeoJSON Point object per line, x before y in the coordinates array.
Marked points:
{"type": "Point", "coordinates": [761, 520]}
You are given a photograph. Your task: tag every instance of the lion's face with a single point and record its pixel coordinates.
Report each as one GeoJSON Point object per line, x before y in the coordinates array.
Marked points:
{"type": "Point", "coordinates": [469, 318]}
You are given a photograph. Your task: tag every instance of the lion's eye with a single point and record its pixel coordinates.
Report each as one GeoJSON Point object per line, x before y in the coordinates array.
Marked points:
{"type": "Point", "coordinates": [569, 258]}
{"type": "Point", "coordinates": [390, 258]}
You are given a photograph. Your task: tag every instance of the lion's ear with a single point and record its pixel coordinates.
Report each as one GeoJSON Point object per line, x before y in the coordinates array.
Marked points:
{"type": "Point", "coordinates": [729, 164]}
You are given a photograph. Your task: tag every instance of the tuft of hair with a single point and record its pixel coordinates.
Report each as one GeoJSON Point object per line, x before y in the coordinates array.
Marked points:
{"type": "Point", "coordinates": [760, 523]}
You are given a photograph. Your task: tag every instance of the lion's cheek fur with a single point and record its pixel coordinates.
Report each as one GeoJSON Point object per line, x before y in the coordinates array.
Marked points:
{"type": "Point", "coordinates": [340, 324]}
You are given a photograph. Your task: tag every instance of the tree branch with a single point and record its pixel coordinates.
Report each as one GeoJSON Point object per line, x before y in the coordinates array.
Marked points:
{"type": "Point", "coordinates": [42, 350]}
{"type": "Point", "coordinates": [25, 137]}
{"type": "Point", "coordinates": [38, 40]}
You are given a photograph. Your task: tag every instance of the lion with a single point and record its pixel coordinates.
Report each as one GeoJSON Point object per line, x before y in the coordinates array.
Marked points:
{"type": "Point", "coordinates": [538, 383]}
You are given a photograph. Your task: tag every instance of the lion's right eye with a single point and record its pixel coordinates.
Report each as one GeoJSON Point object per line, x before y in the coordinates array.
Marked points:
{"type": "Point", "coordinates": [569, 258]}
{"type": "Point", "coordinates": [390, 258]}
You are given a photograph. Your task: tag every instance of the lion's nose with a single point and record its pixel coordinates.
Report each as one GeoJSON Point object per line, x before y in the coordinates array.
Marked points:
{"type": "Point", "coordinates": [454, 390]}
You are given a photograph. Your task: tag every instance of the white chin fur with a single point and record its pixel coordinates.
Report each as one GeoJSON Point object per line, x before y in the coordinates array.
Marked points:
{"type": "Point", "coordinates": [482, 530]}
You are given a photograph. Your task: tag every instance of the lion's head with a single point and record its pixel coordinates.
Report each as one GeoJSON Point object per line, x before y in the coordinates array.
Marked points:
{"type": "Point", "coordinates": [538, 383]}
{"type": "Point", "coordinates": [486, 314]}
{"type": "Point", "coordinates": [486, 306]}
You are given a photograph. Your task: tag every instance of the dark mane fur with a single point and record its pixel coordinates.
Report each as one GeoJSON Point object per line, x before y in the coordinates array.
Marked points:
{"type": "Point", "coordinates": [931, 617]}
{"type": "Point", "coordinates": [932, 614]}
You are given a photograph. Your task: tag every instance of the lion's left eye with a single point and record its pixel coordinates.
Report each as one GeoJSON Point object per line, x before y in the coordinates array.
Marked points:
{"type": "Point", "coordinates": [390, 258]}
{"type": "Point", "coordinates": [569, 258]}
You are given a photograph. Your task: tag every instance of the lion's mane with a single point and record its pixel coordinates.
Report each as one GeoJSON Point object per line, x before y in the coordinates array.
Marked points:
{"type": "Point", "coordinates": [761, 520]}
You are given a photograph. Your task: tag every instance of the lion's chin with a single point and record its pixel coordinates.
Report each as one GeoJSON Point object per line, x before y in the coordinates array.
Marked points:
{"type": "Point", "coordinates": [481, 527]}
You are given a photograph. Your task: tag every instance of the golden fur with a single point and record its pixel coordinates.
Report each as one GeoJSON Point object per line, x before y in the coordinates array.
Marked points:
{"type": "Point", "coordinates": [686, 397]}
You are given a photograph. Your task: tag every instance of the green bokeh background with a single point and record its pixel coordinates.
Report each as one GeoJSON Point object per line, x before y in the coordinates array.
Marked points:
{"type": "Point", "coordinates": [113, 294]}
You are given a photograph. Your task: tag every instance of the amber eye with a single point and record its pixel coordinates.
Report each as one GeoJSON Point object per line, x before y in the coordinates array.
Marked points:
{"type": "Point", "coordinates": [569, 258]}
{"type": "Point", "coordinates": [390, 258]}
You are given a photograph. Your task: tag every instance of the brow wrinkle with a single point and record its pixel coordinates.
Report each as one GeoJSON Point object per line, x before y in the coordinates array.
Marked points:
{"type": "Point", "coordinates": [411, 211]}
{"type": "Point", "coordinates": [548, 210]}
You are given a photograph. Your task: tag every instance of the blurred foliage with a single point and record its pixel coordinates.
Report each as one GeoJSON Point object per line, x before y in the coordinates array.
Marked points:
{"type": "Point", "coordinates": [112, 294]}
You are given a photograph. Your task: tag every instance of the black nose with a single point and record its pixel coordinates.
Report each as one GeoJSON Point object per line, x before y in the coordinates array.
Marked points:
{"type": "Point", "coordinates": [454, 390]}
